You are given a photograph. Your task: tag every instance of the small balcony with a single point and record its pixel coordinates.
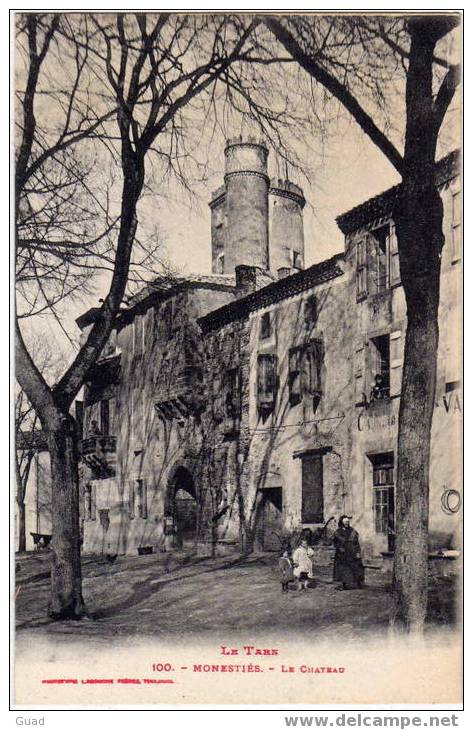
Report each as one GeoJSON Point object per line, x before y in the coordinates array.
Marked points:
{"type": "Point", "coordinates": [99, 453]}
{"type": "Point", "coordinates": [184, 397]}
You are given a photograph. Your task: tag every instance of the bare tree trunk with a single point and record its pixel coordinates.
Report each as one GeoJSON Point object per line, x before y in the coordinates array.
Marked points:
{"type": "Point", "coordinates": [412, 500]}
{"type": "Point", "coordinates": [66, 575]}
{"type": "Point", "coordinates": [418, 217]}
{"type": "Point", "coordinates": [419, 229]}
{"type": "Point", "coordinates": [21, 526]}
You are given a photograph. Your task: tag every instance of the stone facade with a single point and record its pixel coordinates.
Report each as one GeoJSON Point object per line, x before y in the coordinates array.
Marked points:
{"type": "Point", "coordinates": [232, 411]}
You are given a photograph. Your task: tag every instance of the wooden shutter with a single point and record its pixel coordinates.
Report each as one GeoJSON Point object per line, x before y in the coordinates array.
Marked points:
{"type": "Point", "coordinates": [372, 264]}
{"type": "Point", "coordinates": [313, 358]}
{"type": "Point", "coordinates": [360, 371]}
{"type": "Point", "coordinates": [312, 489]}
{"type": "Point", "coordinates": [267, 381]}
{"type": "Point", "coordinates": [396, 356]}
{"type": "Point", "coordinates": [294, 376]}
{"type": "Point", "coordinates": [394, 271]}
{"type": "Point", "coordinates": [362, 268]}
{"type": "Point", "coordinates": [310, 311]}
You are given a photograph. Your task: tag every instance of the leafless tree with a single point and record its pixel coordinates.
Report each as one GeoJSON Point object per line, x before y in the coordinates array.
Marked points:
{"type": "Point", "coordinates": [29, 439]}
{"type": "Point", "coordinates": [360, 61]}
{"type": "Point", "coordinates": [133, 90]}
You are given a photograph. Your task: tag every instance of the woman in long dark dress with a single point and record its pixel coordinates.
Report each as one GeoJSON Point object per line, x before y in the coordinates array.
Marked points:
{"type": "Point", "coordinates": [348, 568]}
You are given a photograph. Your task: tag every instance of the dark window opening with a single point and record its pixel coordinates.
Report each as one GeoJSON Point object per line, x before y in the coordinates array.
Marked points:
{"type": "Point", "coordinates": [312, 489]}
{"type": "Point", "coordinates": [453, 385]}
{"type": "Point", "coordinates": [221, 264]}
{"type": "Point", "coordinates": [380, 353]}
{"type": "Point", "coordinates": [265, 326]}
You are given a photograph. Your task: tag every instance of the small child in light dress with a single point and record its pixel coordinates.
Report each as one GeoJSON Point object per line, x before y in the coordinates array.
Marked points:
{"type": "Point", "coordinates": [286, 570]}
{"type": "Point", "coordinates": [303, 568]}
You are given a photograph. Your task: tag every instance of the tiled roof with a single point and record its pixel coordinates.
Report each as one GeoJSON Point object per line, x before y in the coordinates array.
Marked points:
{"type": "Point", "coordinates": [275, 292]}
{"type": "Point", "coordinates": [160, 288]}
{"type": "Point", "coordinates": [381, 206]}
{"type": "Point", "coordinates": [165, 283]}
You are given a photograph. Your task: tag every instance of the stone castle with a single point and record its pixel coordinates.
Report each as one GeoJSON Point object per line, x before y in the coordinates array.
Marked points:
{"type": "Point", "coordinates": [233, 410]}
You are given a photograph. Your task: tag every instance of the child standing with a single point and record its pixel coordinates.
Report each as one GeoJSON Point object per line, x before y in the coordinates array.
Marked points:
{"type": "Point", "coordinates": [286, 571]}
{"type": "Point", "coordinates": [303, 569]}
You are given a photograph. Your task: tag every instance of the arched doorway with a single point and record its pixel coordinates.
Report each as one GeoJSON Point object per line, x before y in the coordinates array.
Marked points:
{"type": "Point", "coordinates": [182, 507]}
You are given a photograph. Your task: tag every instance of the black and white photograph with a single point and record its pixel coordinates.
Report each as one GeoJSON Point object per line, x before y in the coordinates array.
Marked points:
{"type": "Point", "coordinates": [237, 468]}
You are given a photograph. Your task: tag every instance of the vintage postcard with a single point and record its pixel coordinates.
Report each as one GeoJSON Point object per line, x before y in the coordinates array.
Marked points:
{"type": "Point", "coordinates": [238, 400]}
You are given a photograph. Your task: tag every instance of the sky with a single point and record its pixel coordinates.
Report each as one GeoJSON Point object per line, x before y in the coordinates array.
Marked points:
{"type": "Point", "coordinates": [344, 169]}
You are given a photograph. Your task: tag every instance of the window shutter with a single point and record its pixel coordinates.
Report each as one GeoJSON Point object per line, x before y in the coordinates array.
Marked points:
{"type": "Point", "coordinates": [372, 264]}
{"type": "Point", "coordinates": [394, 271]}
{"type": "Point", "coordinates": [313, 358]}
{"type": "Point", "coordinates": [312, 489]}
{"type": "Point", "coordinates": [361, 253]}
{"type": "Point", "coordinates": [396, 350]}
{"type": "Point", "coordinates": [267, 381]}
{"type": "Point", "coordinates": [361, 268]}
{"type": "Point", "coordinates": [310, 311]}
{"type": "Point", "coordinates": [360, 389]}
{"type": "Point", "coordinates": [294, 376]}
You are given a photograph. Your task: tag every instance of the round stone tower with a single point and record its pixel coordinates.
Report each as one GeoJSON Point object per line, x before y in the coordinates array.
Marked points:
{"type": "Point", "coordinates": [246, 183]}
{"type": "Point", "coordinates": [286, 226]}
